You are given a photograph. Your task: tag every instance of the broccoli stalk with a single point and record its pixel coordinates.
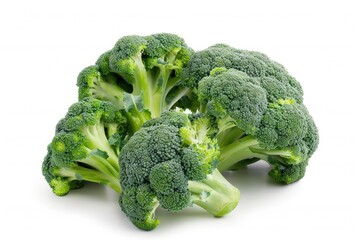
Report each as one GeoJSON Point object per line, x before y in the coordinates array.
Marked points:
{"type": "Point", "coordinates": [214, 194]}
{"type": "Point", "coordinates": [77, 173]}
{"type": "Point", "coordinates": [238, 151]}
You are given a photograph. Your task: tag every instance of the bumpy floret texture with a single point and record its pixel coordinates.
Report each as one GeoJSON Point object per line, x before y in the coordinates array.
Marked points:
{"type": "Point", "coordinates": [273, 76]}
{"type": "Point", "coordinates": [84, 147]}
{"type": "Point", "coordinates": [164, 155]}
{"type": "Point", "coordinates": [234, 94]}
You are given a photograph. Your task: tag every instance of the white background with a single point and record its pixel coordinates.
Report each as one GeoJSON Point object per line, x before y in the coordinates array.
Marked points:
{"type": "Point", "coordinates": [45, 44]}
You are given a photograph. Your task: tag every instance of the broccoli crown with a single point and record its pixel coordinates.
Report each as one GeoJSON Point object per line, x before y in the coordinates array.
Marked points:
{"type": "Point", "coordinates": [273, 77]}
{"type": "Point", "coordinates": [288, 126]}
{"type": "Point", "coordinates": [126, 54]}
{"type": "Point", "coordinates": [81, 129]}
{"type": "Point", "coordinates": [250, 124]}
{"type": "Point", "coordinates": [85, 146]}
{"type": "Point", "coordinates": [133, 54]}
{"type": "Point", "coordinates": [140, 74]}
{"type": "Point", "coordinates": [166, 49]}
{"type": "Point", "coordinates": [285, 136]}
{"type": "Point", "coordinates": [233, 93]}
{"type": "Point", "coordinates": [163, 156]}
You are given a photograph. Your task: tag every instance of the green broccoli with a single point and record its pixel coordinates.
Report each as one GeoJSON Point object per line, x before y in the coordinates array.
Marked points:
{"type": "Point", "coordinates": [86, 147]}
{"type": "Point", "coordinates": [251, 126]}
{"type": "Point", "coordinates": [140, 75]}
{"type": "Point", "coordinates": [273, 77]}
{"type": "Point", "coordinates": [124, 133]}
{"type": "Point", "coordinates": [171, 162]}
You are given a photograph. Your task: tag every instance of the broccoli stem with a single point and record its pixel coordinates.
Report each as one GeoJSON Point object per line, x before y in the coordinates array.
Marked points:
{"type": "Point", "coordinates": [214, 194]}
{"type": "Point", "coordinates": [99, 164]}
{"type": "Point", "coordinates": [91, 175]}
{"type": "Point", "coordinates": [161, 84]}
{"type": "Point", "coordinates": [157, 105]}
{"type": "Point", "coordinates": [109, 92]}
{"type": "Point", "coordinates": [136, 119]}
{"type": "Point", "coordinates": [229, 135]}
{"type": "Point", "coordinates": [226, 123]}
{"type": "Point", "coordinates": [238, 151]}
{"type": "Point", "coordinates": [228, 131]}
{"type": "Point", "coordinates": [178, 93]}
{"type": "Point", "coordinates": [143, 84]}
{"type": "Point", "coordinates": [97, 136]}
{"type": "Point", "coordinates": [111, 129]}
{"type": "Point", "coordinates": [153, 85]}
{"type": "Point", "coordinates": [246, 150]}
{"type": "Point", "coordinates": [140, 85]}
{"type": "Point", "coordinates": [283, 155]}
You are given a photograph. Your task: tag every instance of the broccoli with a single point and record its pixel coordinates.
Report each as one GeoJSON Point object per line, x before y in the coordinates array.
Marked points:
{"type": "Point", "coordinates": [273, 77]}
{"type": "Point", "coordinates": [86, 147]}
{"type": "Point", "coordinates": [140, 75]}
{"type": "Point", "coordinates": [124, 132]}
{"type": "Point", "coordinates": [251, 126]}
{"type": "Point", "coordinates": [171, 162]}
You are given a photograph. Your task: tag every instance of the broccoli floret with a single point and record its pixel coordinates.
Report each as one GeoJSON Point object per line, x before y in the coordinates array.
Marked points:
{"type": "Point", "coordinates": [85, 147]}
{"type": "Point", "coordinates": [152, 66]}
{"type": "Point", "coordinates": [250, 127]}
{"type": "Point", "coordinates": [174, 159]}
{"type": "Point", "coordinates": [139, 203]}
{"type": "Point", "coordinates": [273, 77]}
{"type": "Point", "coordinates": [145, 73]}
{"type": "Point", "coordinates": [280, 139]}
{"type": "Point", "coordinates": [283, 173]}
{"type": "Point", "coordinates": [172, 118]}
{"type": "Point", "coordinates": [139, 74]}
{"type": "Point", "coordinates": [59, 186]}
{"type": "Point", "coordinates": [233, 94]}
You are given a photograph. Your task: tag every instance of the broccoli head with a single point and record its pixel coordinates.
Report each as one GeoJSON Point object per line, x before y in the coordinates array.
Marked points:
{"type": "Point", "coordinates": [171, 162]}
{"type": "Point", "coordinates": [85, 147]}
{"type": "Point", "coordinates": [273, 77]}
{"type": "Point", "coordinates": [252, 127]}
{"type": "Point", "coordinates": [234, 96]}
{"type": "Point", "coordinates": [139, 74]}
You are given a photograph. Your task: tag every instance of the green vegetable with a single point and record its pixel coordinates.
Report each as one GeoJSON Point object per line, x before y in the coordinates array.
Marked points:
{"type": "Point", "coordinates": [129, 129]}
{"type": "Point", "coordinates": [274, 77]}
{"type": "Point", "coordinates": [252, 126]}
{"type": "Point", "coordinates": [140, 75]}
{"type": "Point", "coordinates": [171, 162]}
{"type": "Point", "coordinates": [86, 147]}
